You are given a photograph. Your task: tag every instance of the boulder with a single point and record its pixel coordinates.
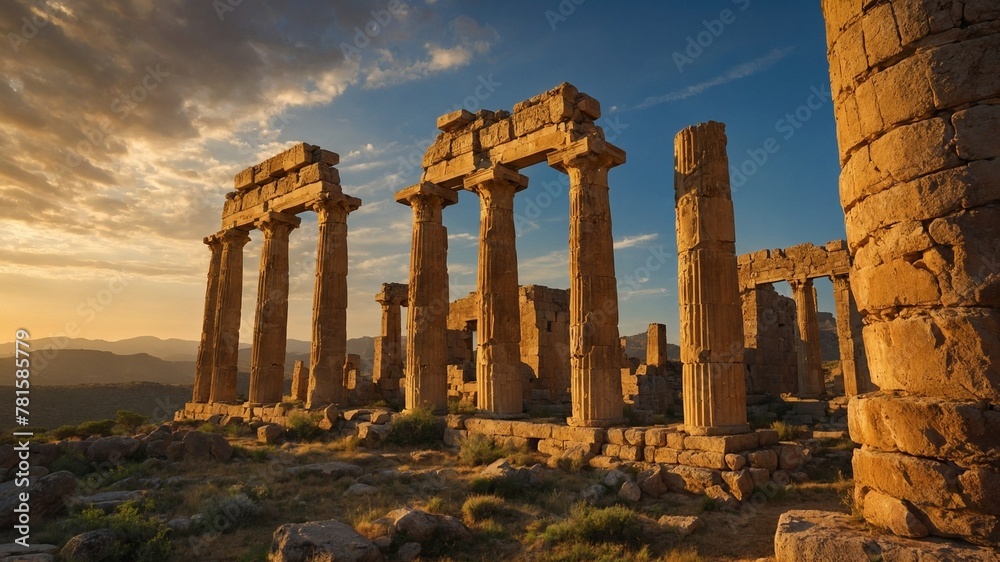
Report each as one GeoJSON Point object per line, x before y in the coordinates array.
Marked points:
{"type": "Point", "coordinates": [651, 481]}
{"type": "Point", "coordinates": [630, 492]}
{"type": "Point", "coordinates": [105, 501]}
{"type": "Point", "coordinates": [416, 524]}
{"type": "Point", "coordinates": [892, 514]}
{"type": "Point", "coordinates": [791, 457]}
{"type": "Point", "coordinates": [681, 524]}
{"type": "Point", "coordinates": [112, 449]}
{"type": "Point", "coordinates": [763, 458]}
{"type": "Point", "coordinates": [269, 433]}
{"type": "Point", "coordinates": [326, 541]}
{"type": "Point", "coordinates": [615, 478]}
{"type": "Point", "coordinates": [360, 489]}
{"type": "Point", "coordinates": [722, 498]}
{"type": "Point", "coordinates": [201, 446]}
{"type": "Point", "coordinates": [92, 546]}
{"type": "Point", "coordinates": [593, 493]}
{"type": "Point", "coordinates": [334, 469]}
{"type": "Point", "coordinates": [157, 448]}
{"type": "Point", "coordinates": [408, 552]}
{"type": "Point", "coordinates": [47, 496]}
{"type": "Point", "coordinates": [740, 483]}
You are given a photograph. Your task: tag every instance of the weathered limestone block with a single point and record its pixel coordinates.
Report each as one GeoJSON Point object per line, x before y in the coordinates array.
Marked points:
{"type": "Point", "coordinates": [656, 436]}
{"type": "Point", "coordinates": [578, 434]}
{"type": "Point", "coordinates": [531, 430]}
{"type": "Point", "coordinates": [966, 432]}
{"type": "Point", "coordinates": [722, 443]}
{"type": "Point", "coordinates": [918, 480]}
{"type": "Point", "coordinates": [691, 479]}
{"type": "Point", "coordinates": [666, 455]}
{"type": "Point", "coordinates": [489, 426]}
{"type": "Point", "coordinates": [740, 483]}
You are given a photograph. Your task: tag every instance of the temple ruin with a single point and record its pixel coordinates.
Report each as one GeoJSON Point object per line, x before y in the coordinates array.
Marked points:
{"type": "Point", "coordinates": [268, 197]}
{"type": "Point", "coordinates": [915, 287]}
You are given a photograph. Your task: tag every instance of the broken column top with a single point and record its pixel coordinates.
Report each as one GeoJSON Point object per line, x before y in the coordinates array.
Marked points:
{"type": "Point", "coordinates": [393, 293]}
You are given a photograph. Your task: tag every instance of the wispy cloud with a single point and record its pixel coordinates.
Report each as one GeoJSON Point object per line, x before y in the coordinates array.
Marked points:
{"type": "Point", "coordinates": [633, 241]}
{"type": "Point", "coordinates": [744, 70]}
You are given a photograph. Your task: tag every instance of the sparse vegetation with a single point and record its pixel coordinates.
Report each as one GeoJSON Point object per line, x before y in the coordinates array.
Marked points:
{"type": "Point", "coordinates": [226, 513]}
{"type": "Point", "coordinates": [303, 426]}
{"type": "Point", "coordinates": [139, 535]}
{"type": "Point", "coordinates": [418, 427]}
{"type": "Point", "coordinates": [129, 421]}
{"type": "Point", "coordinates": [479, 449]}
{"type": "Point", "coordinates": [461, 407]}
{"type": "Point", "coordinates": [103, 428]}
{"type": "Point", "coordinates": [615, 524]}
{"type": "Point", "coordinates": [787, 431]}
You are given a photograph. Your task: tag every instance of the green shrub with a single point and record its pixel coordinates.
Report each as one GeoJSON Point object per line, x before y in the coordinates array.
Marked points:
{"type": "Point", "coordinates": [139, 535]}
{"type": "Point", "coordinates": [74, 463]}
{"type": "Point", "coordinates": [130, 421]}
{"type": "Point", "coordinates": [64, 432]}
{"type": "Point", "coordinates": [478, 449]}
{"type": "Point", "coordinates": [417, 427]}
{"type": "Point", "coordinates": [482, 507]}
{"type": "Point", "coordinates": [615, 524]}
{"type": "Point", "coordinates": [787, 431]}
{"type": "Point", "coordinates": [240, 505]}
{"type": "Point", "coordinates": [303, 426]}
{"type": "Point", "coordinates": [211, 428]}
{"type": "Point", "coordinates": [461, 407]}
{"type": "Point", "coordinates": [504, 486]}
{"type": "Point", "coordinates": [103, 428]}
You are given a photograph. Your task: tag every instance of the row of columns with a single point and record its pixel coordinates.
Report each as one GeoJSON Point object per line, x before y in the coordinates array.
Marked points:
{"type": "Point", "coordinates": [595, 375]}
{"type": "Point", "coordinates": [215, 379]}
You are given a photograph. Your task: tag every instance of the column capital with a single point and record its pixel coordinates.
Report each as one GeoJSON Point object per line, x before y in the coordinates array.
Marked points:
{"type": "Point", "coordinates": [425, 191]}
{"type": "Point", "coordinates": [329, 205]}
{"type": "Point", "coordinates": [802, 283]}
{"type": "Point", "coordinates": [274, 223]}
{"type": "Point", "coordinates": [393, 294]}
{"type": "Point", "coordinates": [588, 151]}
{"type": "Point", "coordinates": [234, 237]}
{"type": "Point", "coordinates": [487, 177]}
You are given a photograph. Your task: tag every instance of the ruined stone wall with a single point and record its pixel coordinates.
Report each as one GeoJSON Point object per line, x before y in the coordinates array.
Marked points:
{"type": "Point", "coordinates": [545, 343]}
{"type": "Point", "coordinates": [769, 333]}
{"type": "Point", "coordinates": [915, 87]}
{"type": "Point", "coordinates": [462, 318]}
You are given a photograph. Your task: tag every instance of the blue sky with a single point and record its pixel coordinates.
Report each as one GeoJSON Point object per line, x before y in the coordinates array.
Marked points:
{"type": "Point", "coordinates": [123, 127]}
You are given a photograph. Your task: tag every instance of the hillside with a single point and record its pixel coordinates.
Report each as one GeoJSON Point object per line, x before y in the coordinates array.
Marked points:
{"type": "Point", "coordinates": [87, 366]}
{"type": "Point", "coordinates": [53, 406]}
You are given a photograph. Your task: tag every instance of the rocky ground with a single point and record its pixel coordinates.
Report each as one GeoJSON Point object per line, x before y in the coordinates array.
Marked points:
{"type": "Point", "coordinates": [215, 493]}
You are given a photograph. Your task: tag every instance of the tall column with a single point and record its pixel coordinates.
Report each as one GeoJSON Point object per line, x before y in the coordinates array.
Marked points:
{"type": "Point", "coordinates": [267, 360]}
{"type": "Point", "coordinates": [915, 86]}
{"type": "Point", "coordinates": [854, 364]}
{"type": "Point", "coordinates": [427, 321]}
{"type": "Point", "coordinates": [227, 318]}
{"type": "Point", "coordinates": [388, 364]}
{"type": "Point", "coordinates": [708, 285]}
{"type": "Point", "coordinates": [498, 361]}
{"type": "Point", "coordinates": [329, 320]}
{"type": "Point", "coordinates": [595, 354]}
{"type": "Point", "coordinates": [810, 361]}
{"type": "Point", "coordinates": [656, 345]}
{"type": "Point", "coordinates": [206, 349]}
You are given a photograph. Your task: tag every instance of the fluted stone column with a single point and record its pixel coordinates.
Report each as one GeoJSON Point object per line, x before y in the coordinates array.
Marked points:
{"type": "Point", "coordinates": [498, 359]}
{"type": "Point", "coordinates": [388, 364]}
{"type": "Point", "coordinates": [427, 321]}
{"type": "Point", "coordinates": [810, 361]}
{"type": "Point", "coordinates": [915, 86]}
{"type": "Point", "coordinates": [267, 362]}
{"type": "Point", "coordinates": [329, 321]}
{"type": "Point", "coordinates": [854, 364]}
{"type": "Point", "coordinates": [227, 319]}
{"type": "Point", "coordinates": [595, 353]}
{"type": "Point", "coordinates": [206, 348]}
{"type": "Point", "coordinates": [708, 285]}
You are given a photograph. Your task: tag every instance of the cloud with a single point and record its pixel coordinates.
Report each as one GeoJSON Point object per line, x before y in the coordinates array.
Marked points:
{"type": "Point", "coordinates": [633, 241]}
{"type": "Point", "coordinates": [741, 71]}
{"type": "Point", "coordinates": [471, 39]}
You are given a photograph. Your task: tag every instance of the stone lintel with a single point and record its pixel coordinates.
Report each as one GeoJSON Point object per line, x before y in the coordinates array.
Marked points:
{"type": "Point", "coordinates": [284, 163]}
{"type": "Point", "coordinates": [454, 120]}
{"type": "Point", "coordinates": [585, 147]}
{"type": "Point", "coordinates": [448, 196]}
{"type": "Point", "coordinates": [497, 172]}
{"type": "Point", "coordinates": [292, 202]}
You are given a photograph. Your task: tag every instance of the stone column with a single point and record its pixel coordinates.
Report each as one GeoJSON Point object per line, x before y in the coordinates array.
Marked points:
{"type": "Point", "coordinates": [227, 318]}
{"type": "Point", "coordinates": [206, 349]}
{"type": "Point", "coordinates": [329, 321]}
{"type": "Point", "coordinates": [854, 364]}
{"type": "Point", "coordinates": [708, 285]}
{"type": "Point", "coordinates": [810, 360]}
{"type": "Point", "coordinates": [427, 321]}
{"type": "Point", "coordinates": [915, 86]}
{"type": "Point", "coordinates": [267, 360]}
{"type": "Point", "coordinates": [300, 381]}
{"type": "Point", "coordinates": [656, 345]}
{"type": "Point", "coordinates": [595, 354]}
{"type": "Point", "coordinates": [498, 361]}
{"type": "Point", "coordinates": [388, 364]}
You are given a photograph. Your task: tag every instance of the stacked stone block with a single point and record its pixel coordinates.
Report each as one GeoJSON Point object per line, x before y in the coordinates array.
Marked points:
{"type": "Point", "coordinates": [915, 86]}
